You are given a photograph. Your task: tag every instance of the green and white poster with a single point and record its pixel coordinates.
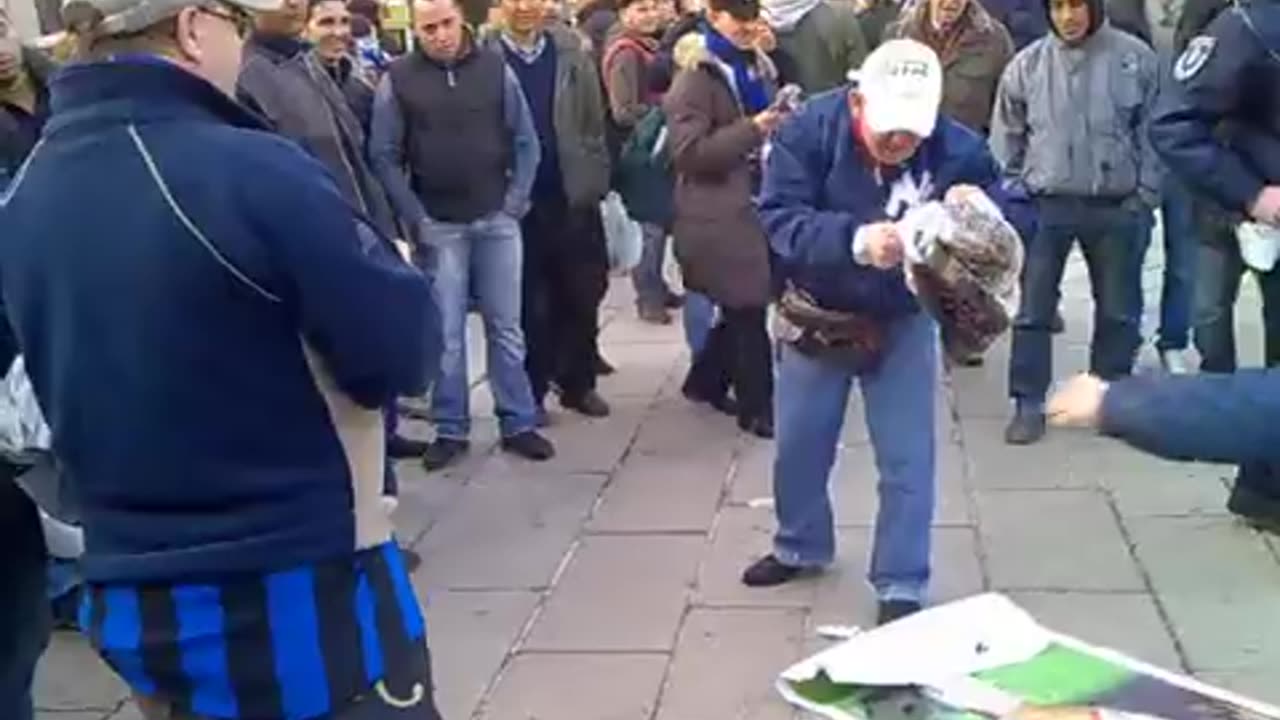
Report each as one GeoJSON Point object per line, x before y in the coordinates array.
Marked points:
{"type": "Point", "coordinates": [985, 658]}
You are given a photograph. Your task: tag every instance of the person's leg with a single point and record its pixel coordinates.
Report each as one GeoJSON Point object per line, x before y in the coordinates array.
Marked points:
{"type": "Point", "coordinates": [900, 401]}
{"type": "Point", "coordinates": [535, 303]}
{"type": "Point", "coordinates": [496, 259]}
{"type": "Point", "coordinates": [752, 369]}
{"type": "Point", "coordinates": [24, 607]}
{"type": "Point", "coordinates": [1138, 246]}
{"type": "Point", "coordinates": [1107, 242]}
{"type": "Point", "coordinates": [651, 289]}
{"type": "Point", "coordinates": [1180, 245]}
{"type": "Point", "coordinates": [810, 408]}
{"type": "Point", "coordinates": [579, 280]}
{"type": "Point", "coordinates": [1269, 284]}
{"type": "Point", "coordinates": [699, 315]}
{"type": "Point", "coordinates": [451, 396]}
{"type": "Point", "coordinates": [1031, 360]}
{"type": "Point", "coordinates": [1218, 272]}
{"type": "Point", "coordinates": [709, 375]}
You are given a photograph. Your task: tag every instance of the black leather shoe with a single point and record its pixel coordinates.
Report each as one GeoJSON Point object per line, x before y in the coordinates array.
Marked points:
{"type": "Point", "coordinates": [530, 446]}
{"type": "Point", "coordinates": [1026, 428]}
{"type": "Point", "coordinates": [673, 301]}
{"type": "Point", "coordinates": [412, 560]}
{"type": "Point", "coordinates": [444, 452]}
{"type": "Point", "coordinates": [891, 610]}
{"type": "Point", "coordinates": [1258, 510]}
{"type": "Point", "coordinates": [769, 571]}
{"type": "Point", "coordinates": [603, 367]}
{"type": "Point", "coordinates": [723, 403]}
{"type": "Point", "coordinates": [589, 403]}
{"type": "Point", "coordinates": [400, 447]}
{"type": "Point", "coordinates": [761, 427]}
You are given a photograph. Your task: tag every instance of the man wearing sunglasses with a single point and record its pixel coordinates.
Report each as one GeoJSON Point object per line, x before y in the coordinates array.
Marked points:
{"type": "Point", "coordinates": [198, 335]}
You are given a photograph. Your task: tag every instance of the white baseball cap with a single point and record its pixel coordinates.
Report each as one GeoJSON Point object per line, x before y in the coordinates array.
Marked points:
{"type": "Point", "coordinates": [901, 87]}
{"type": "Point", "coordinates": [119, 17]}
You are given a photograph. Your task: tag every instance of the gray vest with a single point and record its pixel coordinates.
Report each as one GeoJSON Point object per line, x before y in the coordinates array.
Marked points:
{"type": "Point", "coordinates": [457, 141]}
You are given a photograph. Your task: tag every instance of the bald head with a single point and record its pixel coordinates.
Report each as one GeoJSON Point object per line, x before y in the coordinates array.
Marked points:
{"type": "Point", "coordinates": [438, 26]}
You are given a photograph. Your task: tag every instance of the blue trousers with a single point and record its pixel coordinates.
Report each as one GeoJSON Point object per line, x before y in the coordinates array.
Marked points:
{"type": "Point", "coordinates": [899, 401]}
{"type": "Point", "coordinates": [1181, 244]}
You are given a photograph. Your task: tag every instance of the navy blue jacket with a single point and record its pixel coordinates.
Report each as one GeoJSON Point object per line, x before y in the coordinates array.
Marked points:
{"type": "Point", "coordinates": [211, 330]}
{"type": "Point", "coordinates": [1217, 122]}
{"type": "Point", "coordinates": [1210, 418]}
{"type": "Point", "coordinates": [820, 185]}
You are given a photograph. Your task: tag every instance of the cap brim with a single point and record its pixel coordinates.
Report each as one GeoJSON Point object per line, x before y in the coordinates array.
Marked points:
{"type": "Point", "coordinates": [257, 5]}
{"type": "Point", "coordinates": [884, 116]}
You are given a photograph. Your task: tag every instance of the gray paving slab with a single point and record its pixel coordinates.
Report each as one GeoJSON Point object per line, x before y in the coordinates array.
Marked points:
{"type": "Point", "coordinates": [1128, 622]}
{"type": "Point", "coordinates": [1259, 684]}
{"type": "Point", "coordinates": [577, 687]}
{"type": "Point", "coordinates": [71, 676]}
{"type": "Point", "coordinates": [424, 498]}
{"type": "Point", "coordinates": [507, 531]}
{"type": "Point", "coordinates": [583, 445]}
{"type": "Point", "coordinates": [642, 370]}
{"type": "Point", "coordinates": [741, 536]}
{"type": "Point", "coordinates": [1204, 556]}
{"type": "Point", "coordinates": [1236, 631]}
{"type": "Point", "coordinates": [726, 662]}
{"type": "Point", "coordinates": [657, 494]}
{"type": "Point", "coordinates": [471, 635]}
{"type": "Point", "coordinates": [1054, 540]}
{"type": "Point", "coordinates": [672, 432]}
{"type": "Point", "coordinates": [1148, 487]}
{"type": "Point", "coordinates": [619, 594]}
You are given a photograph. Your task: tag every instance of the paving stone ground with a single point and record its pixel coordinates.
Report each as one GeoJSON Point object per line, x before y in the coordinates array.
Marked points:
{"type": "Point", "coordinates": [604, 585]}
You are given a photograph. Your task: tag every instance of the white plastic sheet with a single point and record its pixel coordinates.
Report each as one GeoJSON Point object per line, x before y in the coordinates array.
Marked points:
{"type": "Point", "coordinates": [623, 236]}
{"type": "Point", "coordinates": [22, 425]}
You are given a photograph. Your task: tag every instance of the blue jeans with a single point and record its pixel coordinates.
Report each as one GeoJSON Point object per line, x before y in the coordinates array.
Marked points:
{"type": "Point", "coordinates": [1106, 232]}
{"type": "Point", "coordinates": [699, 317]}
{"type": "Point", "coordinates": [484, 256]}
{"type": "Point", "coordinates": [651, 288]}
{"type": "Point", "coordinates": [1181, 244]}
{"type": "Point", "coordinates": [899, 400]}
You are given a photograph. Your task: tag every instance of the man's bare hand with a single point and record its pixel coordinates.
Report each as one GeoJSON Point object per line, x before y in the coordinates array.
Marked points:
{"type": "Point", "coordinates": [1266, 208]}
{"type": "Point", "coordinates": [768, 120]}
{"type": "Point", "coordinates": [881, 245]}
{"type": "Point", "coordinates": [1078, 403]}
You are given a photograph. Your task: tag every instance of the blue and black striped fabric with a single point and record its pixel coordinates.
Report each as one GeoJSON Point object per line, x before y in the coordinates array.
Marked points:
{"type": "Point", "coordinates": [291, 645]}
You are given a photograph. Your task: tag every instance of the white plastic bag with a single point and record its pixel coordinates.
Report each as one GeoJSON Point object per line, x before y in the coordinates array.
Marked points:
{"type": "Point", "coordinates": [22, 425]}
{"type": "Point", "coordinates": [623, 236]}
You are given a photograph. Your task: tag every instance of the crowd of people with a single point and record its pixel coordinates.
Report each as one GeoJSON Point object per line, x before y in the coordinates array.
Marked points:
{"type": "Point", "coordinates": [282, 219]}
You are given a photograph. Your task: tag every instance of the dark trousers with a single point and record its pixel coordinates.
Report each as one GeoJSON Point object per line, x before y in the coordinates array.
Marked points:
{"type": "Point", "coordinates": [24, 609]}
{"type": "Point", "coordinates": [566, 273]}
{"type": "Point", "coordinates": [1106, 232]}
{"type": "Point", "coordinates": [737, 352]}
{"type": "Point", "coordinates": [1220, 270]}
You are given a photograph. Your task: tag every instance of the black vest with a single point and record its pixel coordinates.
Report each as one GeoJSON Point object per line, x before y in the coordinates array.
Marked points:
{"type": "Point", "coordinates": [457, 141]}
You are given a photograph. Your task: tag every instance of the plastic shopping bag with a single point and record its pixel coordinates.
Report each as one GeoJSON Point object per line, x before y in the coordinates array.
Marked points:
{"type": "Point", "coordinates": [22, 425]}
{"type": "Point", "coordinates": [964, 261]}
{"type": "Point", "coordinates": [623, 236]}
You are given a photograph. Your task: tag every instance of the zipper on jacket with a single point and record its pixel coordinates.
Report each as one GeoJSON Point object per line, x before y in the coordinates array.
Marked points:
{"type": "Point", "coordinates": [453, 81]}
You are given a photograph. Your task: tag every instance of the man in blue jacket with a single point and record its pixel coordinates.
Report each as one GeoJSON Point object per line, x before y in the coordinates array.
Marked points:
{"type": "Point", "coordinates": [211, 335]}
{"type": "Point", "coordinates": [838, 174]}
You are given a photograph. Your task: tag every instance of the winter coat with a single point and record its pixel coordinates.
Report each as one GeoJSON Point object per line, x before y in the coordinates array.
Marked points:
{"type": "Point", "coordinates": [973, 57]}
{"type": "Point", "coordinates": [824, 46]}
{"type": "Point", "coordinates": [719, 240]}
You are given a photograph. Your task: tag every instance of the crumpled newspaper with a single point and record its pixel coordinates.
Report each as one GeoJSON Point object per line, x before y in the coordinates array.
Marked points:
{"type": "Point", "coordinates": [22, 424]}
{"type": "Point", "coordinates": [963, 261]}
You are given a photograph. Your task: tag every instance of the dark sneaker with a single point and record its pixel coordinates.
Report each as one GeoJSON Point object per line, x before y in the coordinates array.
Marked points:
{"type": "Point", "coordinates": [589, 403]}
{"type": "Point", "coordinates": [724, 403]}
{"type": "Point", "coordinates": [1059, 325]}
{"type": "Point", "coordinates": [1026, 427]}
{"type": "Point", "coordinates": [892, 610]}
{"type": "Point", "coordinates": [654, 315]}
{"type": "Point", "coordinates": [761, 427]}
{"type": "Point", "coordinates": [769, 571]}
{"type": "Point", "coordinates": [971, 361]}
{"type": "Point", "coordinates": [603, 367]}
{"type": "Point", "coordinates": [530, 446]}
{"type": "Point", "coordinates": [1254, 508]}
{"type": "Point", "coordinates": [542, 417]}
{"type": "Point", "coordinates": [412, 560]}
{"type": "Point", "coordinates": [673, 301]}
{"type": "Point", "coordinates": [444, 452]}
{"type": "Point", "coordinates": [400, 447]}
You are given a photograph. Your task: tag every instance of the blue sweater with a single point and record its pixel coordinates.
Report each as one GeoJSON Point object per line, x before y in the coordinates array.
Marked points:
{"type": "Point", "coordinates": [820, 186]}
{"type": "Point", "coordinates": [210, 331]}
{"type": "Point", "coordinates": [538, 81]}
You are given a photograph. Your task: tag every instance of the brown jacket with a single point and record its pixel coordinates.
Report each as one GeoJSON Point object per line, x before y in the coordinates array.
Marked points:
{"type": "Point", "coordinates": [973, 57]}
{"type": "Point", "coordinates": [719, 240]}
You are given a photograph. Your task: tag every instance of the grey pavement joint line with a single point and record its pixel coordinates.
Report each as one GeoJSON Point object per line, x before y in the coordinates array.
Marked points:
{"type": "Point", "coordinates": [967, 479]}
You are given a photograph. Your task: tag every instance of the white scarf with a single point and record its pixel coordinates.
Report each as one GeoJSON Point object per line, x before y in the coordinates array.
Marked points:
{"type": "Point", "coordinates": [783, 15]}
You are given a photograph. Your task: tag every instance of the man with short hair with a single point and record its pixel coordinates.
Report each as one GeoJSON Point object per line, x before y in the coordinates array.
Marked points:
{"type": "Point", "coordinates": [566, 268]}
{"type": "Point", "coordinates": [1095, 179]}
{"type": "Point", "coordinates": [823, 39]}
{"type": "Point", "coordinates": [839, 174]}
{"type": "Point", "coordinates": [453, 114]}
{"type": "Point", "coordinates": [24, 98]}
{"type": "Point", "coordinates": [214, 381]}
{"type": "Point", "coordinates": [329, 34]}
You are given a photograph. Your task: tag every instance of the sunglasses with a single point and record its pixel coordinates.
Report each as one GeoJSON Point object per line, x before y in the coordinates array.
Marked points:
{"type": "Point", "coordinates": [239, 19]}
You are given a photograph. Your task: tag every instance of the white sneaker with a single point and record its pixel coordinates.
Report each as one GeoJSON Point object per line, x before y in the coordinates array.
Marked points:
{"type": "Point", "coordinates": [1175, 362]}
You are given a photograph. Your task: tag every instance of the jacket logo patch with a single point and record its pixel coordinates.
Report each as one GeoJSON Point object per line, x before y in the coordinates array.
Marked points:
{"type": "Point", "coordinates": [1194, 58]}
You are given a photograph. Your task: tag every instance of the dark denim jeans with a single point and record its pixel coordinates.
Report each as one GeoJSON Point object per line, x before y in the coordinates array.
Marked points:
{"type": "Point", "coordinates": [24, 607]}
{"type": "Point", "coordinates": [1107, 232]}
{"type": "Point", "coordinates": [1181, 243]}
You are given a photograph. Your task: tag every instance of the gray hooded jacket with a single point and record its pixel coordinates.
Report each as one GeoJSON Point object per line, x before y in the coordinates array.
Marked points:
{"type": "Point", "coordinates": [1073, 120]}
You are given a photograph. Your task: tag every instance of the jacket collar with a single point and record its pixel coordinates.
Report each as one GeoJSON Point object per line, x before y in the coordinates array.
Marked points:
{"type": "Point", "coordinates": [137, 90]}
{"type": "Point", "coordinates": [276, 48]}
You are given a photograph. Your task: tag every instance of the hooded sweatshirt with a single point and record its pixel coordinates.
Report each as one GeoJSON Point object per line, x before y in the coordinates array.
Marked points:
{"type": "Point", "coordinates": [1041, 136]}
